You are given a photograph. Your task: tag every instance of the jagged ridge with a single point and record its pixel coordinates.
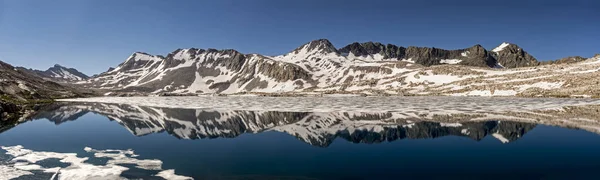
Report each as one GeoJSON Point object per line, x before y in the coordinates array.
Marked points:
{"type": "Point", "coordinates": [315, 67]}
{"type": "Point", "coordinates": [57, 73]}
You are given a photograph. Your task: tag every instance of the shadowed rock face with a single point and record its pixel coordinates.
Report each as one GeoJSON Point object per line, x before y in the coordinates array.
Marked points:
{"type": "Point", "coordinates": [473, 56]}
{"type": "Point", "coordinates": [513, 56]}
{"type": "Point", "coordinates": [318, 129]}
{"type": "Point", "coordinates": [369, 48]}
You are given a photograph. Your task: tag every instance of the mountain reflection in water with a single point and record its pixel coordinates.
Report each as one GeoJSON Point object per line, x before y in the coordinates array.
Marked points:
{"type": "Point", "coordinates": [315, 128]}
{"type": "Point", "coordinates": [144, 143]}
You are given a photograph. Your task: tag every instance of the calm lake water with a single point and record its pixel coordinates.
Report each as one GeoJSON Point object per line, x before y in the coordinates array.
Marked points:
{"type": "Point", "coordinates": [113, 141]}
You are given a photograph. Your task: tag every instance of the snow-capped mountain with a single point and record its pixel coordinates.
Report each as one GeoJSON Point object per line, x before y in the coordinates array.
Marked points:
{"type": "Point", "coordinates": [315, 128]}
{"type": "Point", "coordinates": [69, 74]}
{"type": "Point", "coordinates": [367, 68]}
{"type": "Point", "coordinates": [58, 73]}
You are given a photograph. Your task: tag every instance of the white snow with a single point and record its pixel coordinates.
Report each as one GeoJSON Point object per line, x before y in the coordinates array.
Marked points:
{"type": "Point", "coordinates": [489, 93]}
{"type": "Point", "coordinates": [25, 161]}
{"type": "Point", "coordinates": [8, 172]}
{"type": "Point", "coordinates": [170, 175]}
{"type": "Point", "coordinates": [450, 61]}
{"type": "Point", "coordinates": [450, 124]}
{"type": "Point", "coordinates": [501, 138]}
{"type": "Point", "coordinates": [415, 77]}
{"type": "Point", "coordinates": [465, 131]}
{"type": "Point", "coordinates": [465, 54]}
{"type": "Point", "coordinates": [542, 85]}
{"type": "Point", "coordinates": [23, 86]}
{"type": "Point", "coordinates": [408, 60]}
{"type": "Point", "coordinates": [501, 47]}
{"type": "Point", "coordinates": [498, 65]}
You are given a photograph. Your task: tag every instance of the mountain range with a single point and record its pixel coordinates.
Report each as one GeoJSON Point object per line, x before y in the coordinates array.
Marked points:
{"type": "Point", "coordinates": [318, 67]}
{"type": "Point", "coordinates": [58, 73]}
{"type": "Point", "coordinates": [370, 68]}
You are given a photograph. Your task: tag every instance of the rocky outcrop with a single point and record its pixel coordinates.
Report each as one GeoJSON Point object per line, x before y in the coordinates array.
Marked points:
{"type": "Point", "coordinates": [388, 51]}
{"type": "Point", "coordinates": [473, 56]}
{"type": "Point", "coordinates": [507, 55]}
{"type": "Point", "coordinates": [512, 56]}
{"type": "Point", "coordinates": [567, 60]}
{"type": "Point", "coordinates": [9, 111]}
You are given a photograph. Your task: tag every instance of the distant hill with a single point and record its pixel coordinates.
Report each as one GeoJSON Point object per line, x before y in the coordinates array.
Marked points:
{"type": "Point", "coordinates": [58, 73]}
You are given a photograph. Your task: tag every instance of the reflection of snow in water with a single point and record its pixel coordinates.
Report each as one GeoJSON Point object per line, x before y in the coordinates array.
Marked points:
{"type": "Point", "coordinates": [444, 105]}
{"type": "Point", "coordinates": [27, 162]}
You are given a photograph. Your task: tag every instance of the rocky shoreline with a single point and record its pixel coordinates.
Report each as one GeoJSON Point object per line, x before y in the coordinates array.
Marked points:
{"type": "Point", "coordinates": [12, 112]}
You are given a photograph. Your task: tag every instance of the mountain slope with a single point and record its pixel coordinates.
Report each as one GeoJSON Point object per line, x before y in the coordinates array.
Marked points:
{"type": "Point", "coordinates": [367, 68]}
{"type": "Point", "coordinates": [58, 73]}
{"type": "Point", "coordinates": [20, 88]}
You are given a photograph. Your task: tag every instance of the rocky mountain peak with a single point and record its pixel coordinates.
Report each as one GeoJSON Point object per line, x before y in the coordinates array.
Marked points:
{"type": "Point", "coordinates": [57, 67]}
{"type": "Point", "coordinates": [139, 58]}
{"type": "Point", "coordinates": [510, 55]}
{"type": "Point", "coordinates": [477, 46]}
{"type": "Point", "coordinates": [319, 46]}
{"type": "Point", "coordinates": [63, 73]}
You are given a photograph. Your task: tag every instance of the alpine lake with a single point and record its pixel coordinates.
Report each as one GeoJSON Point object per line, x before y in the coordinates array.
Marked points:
{"type": "Point", "coordinates": [305, 138]}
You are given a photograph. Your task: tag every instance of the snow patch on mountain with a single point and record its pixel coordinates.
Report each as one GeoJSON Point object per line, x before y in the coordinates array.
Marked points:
{"type": "Point", "coordinates": [465, 54]}
{"type": "Point", "coordinates": [501, 47]}
{"type": "Point", "coordinates": [450, 61]}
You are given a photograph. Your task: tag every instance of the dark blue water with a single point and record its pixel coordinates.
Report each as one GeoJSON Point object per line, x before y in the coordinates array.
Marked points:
{"type": "Point", "coordinates": [535, 152]}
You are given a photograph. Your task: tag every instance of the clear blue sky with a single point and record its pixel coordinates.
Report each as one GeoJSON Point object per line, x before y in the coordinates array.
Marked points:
{"type": "Point", "coordinates": [92, 35]}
